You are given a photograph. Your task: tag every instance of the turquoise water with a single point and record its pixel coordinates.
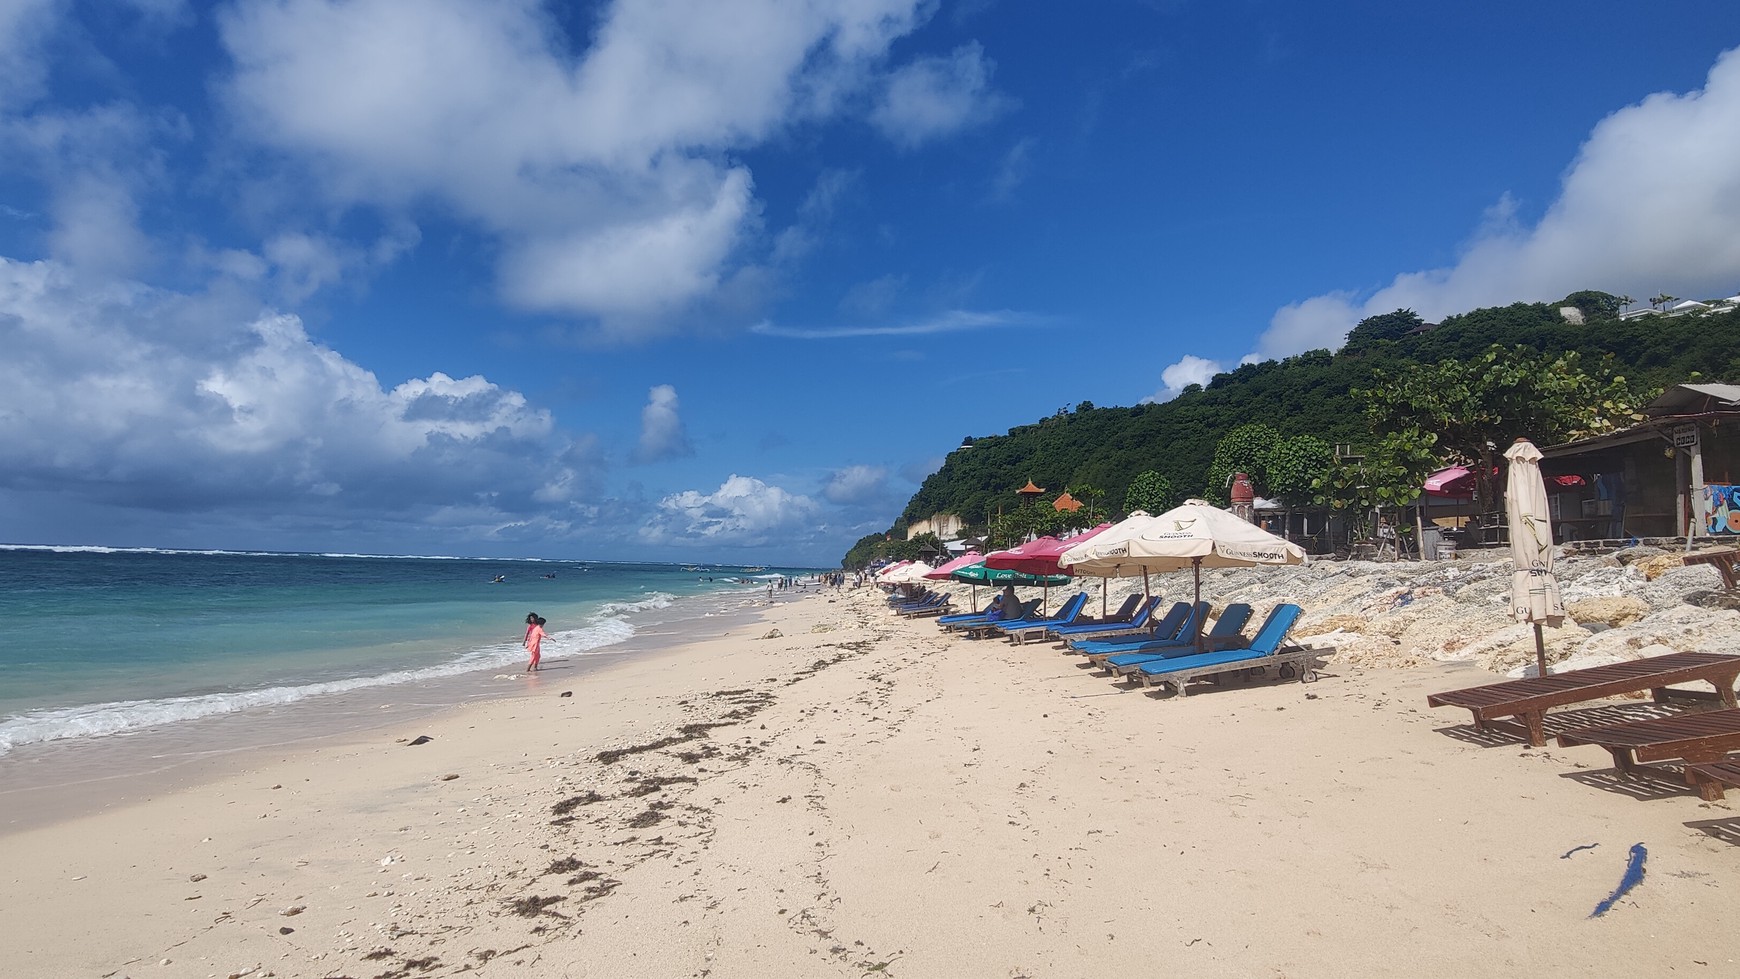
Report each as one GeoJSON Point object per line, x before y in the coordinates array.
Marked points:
{"type": "Point", "coordinates": [97, 642]}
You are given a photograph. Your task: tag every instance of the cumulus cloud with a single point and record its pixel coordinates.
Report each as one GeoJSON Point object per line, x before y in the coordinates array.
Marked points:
{"type": "Point", "coordinates": [743, 511]}
{"type": "Point", "coordinates": [1190, 369]}
{"type": "Point", "coordinates": [934, 97]}
{"type": "Point", "coordinates": [1650, 204]}
{"type": "Point", "coordinates": [662, 433]}
{"type": "Point", "coordinates": [604, 172]}
{"type": "Point", "coordinates": [856, 485]}
{"type": "Point", "coordinates": [123, 395]}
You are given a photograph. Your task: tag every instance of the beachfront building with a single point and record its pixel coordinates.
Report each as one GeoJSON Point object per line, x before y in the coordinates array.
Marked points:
{"type": "Point", "coordinates": [1674, 474]}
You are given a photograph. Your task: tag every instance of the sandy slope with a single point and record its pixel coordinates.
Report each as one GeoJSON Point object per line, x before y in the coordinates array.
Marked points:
{"type": "Point", "coordinates": [861, 796]}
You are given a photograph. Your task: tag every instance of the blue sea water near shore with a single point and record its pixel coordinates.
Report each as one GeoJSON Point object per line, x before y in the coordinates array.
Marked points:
{"type": "Point", "coordinates": [101, 644]}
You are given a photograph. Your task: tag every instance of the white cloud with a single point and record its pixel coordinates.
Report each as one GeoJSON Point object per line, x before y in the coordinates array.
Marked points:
{"type": "Point", "coordinates": [1650, 204]}
{"type": "Point", "coordinates": [24, 24]}
{"type": "Point", "coordinates": [142, 399]}
{"type": "Point", "coordinates": [934, 97]}
{"type": "Point", "coordinates": [953, 321]}
{"type": "Point", "coordinates": [603, 172]}
{"type": "Point", "coordinates": [1190, 369]}
{"type": "Point", "coordinates": [662, 434]}
{"type": "Point", "coordinates": [743, 511]}
{"type": "Point", "coordinates": [1012, 172]}
{"type": "Point", "coordinates": [855, 485]}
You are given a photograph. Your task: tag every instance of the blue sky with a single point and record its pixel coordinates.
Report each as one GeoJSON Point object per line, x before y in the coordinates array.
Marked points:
{"type": "Point", "coordinates": [725, 280]}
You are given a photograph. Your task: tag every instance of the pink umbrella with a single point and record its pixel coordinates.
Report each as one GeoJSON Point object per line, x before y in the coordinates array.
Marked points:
{"type": "Point", "coordinates": [945, 570]}
{"type": "Point", "coordinates": [1039, 557]}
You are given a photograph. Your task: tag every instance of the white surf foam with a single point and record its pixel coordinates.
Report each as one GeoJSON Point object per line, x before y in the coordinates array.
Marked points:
{"type": "Point", "coordinates": [604, 629]}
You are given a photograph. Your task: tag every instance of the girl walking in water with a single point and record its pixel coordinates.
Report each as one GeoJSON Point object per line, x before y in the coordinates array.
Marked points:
{"type": "Point", "coordinates": [534, 639]}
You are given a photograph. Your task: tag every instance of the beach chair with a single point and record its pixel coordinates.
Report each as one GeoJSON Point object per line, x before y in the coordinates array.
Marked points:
{"type": "Point", "coordinates": [1528, 700]}
{"type": "Point", "coordinates": [1711, 778]}
{"type": "Point", "coordinates": [947, 620]}
{"type": "Point", "coordinates": [1228, 633]}
{"type": "Point", "coordinates": [1112, 626]}
{"type": "Point", "coordinates": [976, 620]}
{"type": "Point", "coordinates": [1182, 616]}
{"type": "Point", "coordinates": [1268, 649]}
{"type": "Point", "coordinates": [1699, 737]}
{"type": "Point", "coordinates": [1019, 632]}
{"type": "Point", "coordinates": [938, 607]}
{"type": "Point", "coordinates": [1065, 614]}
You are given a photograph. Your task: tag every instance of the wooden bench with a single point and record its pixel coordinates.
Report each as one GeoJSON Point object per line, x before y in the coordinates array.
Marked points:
{"type": "Point", "coordinates": [1726, 561]}
{"type": "Point", "coordinates": [1696, 738]}
{"type": "Point", "coordinates": [1529, 700]}
{"type": "Point", "coordinates": [1710, 778]}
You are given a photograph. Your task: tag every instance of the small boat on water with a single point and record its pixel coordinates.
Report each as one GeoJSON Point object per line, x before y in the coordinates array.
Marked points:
{"type": "Point", "coordinates": [754, 569]}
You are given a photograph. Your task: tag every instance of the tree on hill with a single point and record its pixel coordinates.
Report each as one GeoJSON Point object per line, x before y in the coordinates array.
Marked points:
{"type": "Point", "coordinates": [1385, 326]}
{"type": "Point", "coordinates": [1295, 465]}
{"type": "Point", "coordinates": [1478, 407]}
{"type": "Point", "coordinates": [1596, 305]}
{"type": "Point", "coordinates": [1245, 449]}
{"type": "Point", "coordinates": [1149, 491]}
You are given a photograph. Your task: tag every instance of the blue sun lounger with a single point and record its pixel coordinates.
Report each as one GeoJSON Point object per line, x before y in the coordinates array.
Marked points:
{"type": "Point", "coordinates": [1065, 614]}
{"type": "Point", "coordinates": [1268, 649]}
{"type": "Point", "coordinates": [1133, 614]}
{"type": "Point", "coordinates": [1182, 616]}
{"type": "Point", "coordinates": [938, 607]}
{"type": "Point", "coordinates": [933, 600]}
{"type": "Point", "coordinates": [1020, 632]}
{"type": "Point", "coordinates": [974, 620]}
{"type": "Point", "coordinates": [1227, 634]}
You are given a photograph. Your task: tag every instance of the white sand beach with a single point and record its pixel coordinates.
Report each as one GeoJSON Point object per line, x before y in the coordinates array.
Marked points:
{"type": "Point", "coordinates": [861, 795]}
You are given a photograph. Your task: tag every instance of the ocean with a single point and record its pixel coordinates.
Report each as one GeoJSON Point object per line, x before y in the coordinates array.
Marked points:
{"type": "Point", "coordinates": [191, 649]}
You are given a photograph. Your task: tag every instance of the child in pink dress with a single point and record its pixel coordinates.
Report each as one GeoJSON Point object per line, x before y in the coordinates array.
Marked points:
{"type": "Point", "coordinates": [534, 640]}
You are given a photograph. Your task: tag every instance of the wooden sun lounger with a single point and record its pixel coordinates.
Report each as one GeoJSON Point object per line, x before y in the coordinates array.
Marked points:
{"type": "Point", "coordinates": [1709, 779]}
{"type": "Point", "coordinates": [1697, 737]}
{"type": "Point", "coordinates": [1528, 700]}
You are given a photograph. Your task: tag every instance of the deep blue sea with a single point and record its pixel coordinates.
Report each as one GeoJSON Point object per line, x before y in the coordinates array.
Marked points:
{"type": "Point", "coordinates": [97, 643]}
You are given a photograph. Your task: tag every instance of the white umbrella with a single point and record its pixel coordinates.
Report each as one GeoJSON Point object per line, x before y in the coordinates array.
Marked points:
{"type": "Point", "coordinates": [1534, 591]}
{"type": "Point", "coordinates": [1193, 535]}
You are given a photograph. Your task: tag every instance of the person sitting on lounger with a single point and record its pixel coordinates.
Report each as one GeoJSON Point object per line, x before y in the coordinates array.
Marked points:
{"type": "Point", "coordinates": [1007, 607]}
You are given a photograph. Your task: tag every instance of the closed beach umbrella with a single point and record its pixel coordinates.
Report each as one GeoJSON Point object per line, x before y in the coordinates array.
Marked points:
{"type": "Point", "coordinates": [1534, 590]}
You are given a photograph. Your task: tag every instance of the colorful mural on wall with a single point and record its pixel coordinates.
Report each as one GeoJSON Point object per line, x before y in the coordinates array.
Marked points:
{"type": "Point", "coordinates": [1719, 508]}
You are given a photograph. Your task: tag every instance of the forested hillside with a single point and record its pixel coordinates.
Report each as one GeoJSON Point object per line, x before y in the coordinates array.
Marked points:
{"type": "Point", "coordinates": [1312, 394]}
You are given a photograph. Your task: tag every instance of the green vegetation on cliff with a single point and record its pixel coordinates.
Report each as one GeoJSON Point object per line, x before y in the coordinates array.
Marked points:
{"type": "Point", "coordinates": [1307, 402]}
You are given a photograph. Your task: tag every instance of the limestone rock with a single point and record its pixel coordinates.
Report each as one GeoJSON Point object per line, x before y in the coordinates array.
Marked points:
{"type": "Point", "coordinates": [1611, 612]}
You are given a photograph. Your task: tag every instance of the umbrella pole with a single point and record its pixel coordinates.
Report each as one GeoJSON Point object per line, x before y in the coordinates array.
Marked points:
{"type": "Point", "coordinates": [1103, 582]}
{"type": "Point", "coordinates": [1540, 652]}
{"type": "Point", "coordinates": [1153, 621]}
{"type": "Point", "coordinates": [1196, 640]}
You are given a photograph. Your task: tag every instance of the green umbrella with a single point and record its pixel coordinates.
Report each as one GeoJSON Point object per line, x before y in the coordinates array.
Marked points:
{"type": "Point", "coordinates": [978, 574]}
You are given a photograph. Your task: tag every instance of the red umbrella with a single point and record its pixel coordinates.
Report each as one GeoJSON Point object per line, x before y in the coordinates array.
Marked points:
{"type": "Point", "coordinates": [1039, 557]}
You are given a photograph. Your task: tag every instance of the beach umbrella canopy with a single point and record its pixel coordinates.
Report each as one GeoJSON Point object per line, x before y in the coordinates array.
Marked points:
{"type": "Point", "coordinates": [1040, 556]}
{"type": "Point", "coordinates": [909, 573]}
{"type": "Point", "coordinates": [978, 574]}
{"type": "Point", "coordinates": [1534, 590]}
{"type": "Point", "coordinates": [1100, 556]}
{"type": "Point", "coordinates": [943, 571]}
{"type": "Point", "coordinates": [1194, 535]}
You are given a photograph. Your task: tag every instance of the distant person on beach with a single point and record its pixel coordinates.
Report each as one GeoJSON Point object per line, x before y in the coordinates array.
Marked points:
{"type": "Point", "coordinates": [1008, 606]}
{"type": "Point", "coordinates": [534, 640]}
